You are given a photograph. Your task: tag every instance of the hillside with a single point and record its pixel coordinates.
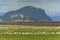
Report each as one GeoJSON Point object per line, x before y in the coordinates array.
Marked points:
{"type": "Point", "coordinates": [28, 13]}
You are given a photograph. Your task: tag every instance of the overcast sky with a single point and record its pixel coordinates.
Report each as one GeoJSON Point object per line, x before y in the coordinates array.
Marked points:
{"type": "Point", "coordinates": [51, 7]}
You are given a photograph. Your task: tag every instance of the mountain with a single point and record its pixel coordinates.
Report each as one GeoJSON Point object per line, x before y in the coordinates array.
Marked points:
{"type": "Point", "coordinates": [2, 13]}
{"type": "Point", "coordinates": [0, 18]}
{"type": "Point", "coordinates": [55, 18]}
{"type": "Point", "coordinates": [29, 13]}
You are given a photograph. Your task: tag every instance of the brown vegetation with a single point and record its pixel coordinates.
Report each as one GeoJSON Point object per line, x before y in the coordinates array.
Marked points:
{"type": "Point", "coordinates": [32, 23]}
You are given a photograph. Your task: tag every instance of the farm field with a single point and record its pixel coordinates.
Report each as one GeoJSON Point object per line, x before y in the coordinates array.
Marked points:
{"type": "Point", "coordinates": [23, 32]}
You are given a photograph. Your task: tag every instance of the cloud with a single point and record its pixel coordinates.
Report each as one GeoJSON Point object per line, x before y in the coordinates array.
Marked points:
{"type": "Point", "coordinates": [50, 6]}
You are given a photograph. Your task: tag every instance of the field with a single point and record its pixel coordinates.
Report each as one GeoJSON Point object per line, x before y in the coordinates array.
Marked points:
{"type": "Point", "coordinates": [23, 32]}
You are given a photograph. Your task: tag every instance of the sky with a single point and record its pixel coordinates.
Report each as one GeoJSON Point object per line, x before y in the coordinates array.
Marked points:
{"type": "Point", "coordinates": [51, 7]}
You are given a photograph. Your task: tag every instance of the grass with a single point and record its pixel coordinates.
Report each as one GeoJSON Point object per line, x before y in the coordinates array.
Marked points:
{"type": "Point", "coordinates": [32, 29]}
{"type": "Point", "coordinates": [29, 37]}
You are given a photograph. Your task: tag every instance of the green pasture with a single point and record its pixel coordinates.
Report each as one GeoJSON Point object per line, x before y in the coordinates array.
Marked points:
{"type": "Point", "coordinates": [31, 29]}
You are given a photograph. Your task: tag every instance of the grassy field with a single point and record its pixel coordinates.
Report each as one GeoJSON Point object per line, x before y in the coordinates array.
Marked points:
{"type": "Point", "coordinates": [20, 32]}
